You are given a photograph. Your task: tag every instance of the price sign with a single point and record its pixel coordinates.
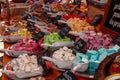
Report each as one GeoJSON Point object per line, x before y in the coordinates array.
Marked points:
{"type": "Point", "coordinates": [64, 31]}
{"type": "Point", "coordinates": [67, 75]}
{"type": "Point", "coordinates": [111, 19]}
{"type": "Point", "coordinates": [79, 45]}
{"type": "Point", "coordinates": [40, 34]}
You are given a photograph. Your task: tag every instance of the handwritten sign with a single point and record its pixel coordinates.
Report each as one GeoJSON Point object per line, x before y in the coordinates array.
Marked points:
{"type": "Point", "coordinates": [111, 19]}
{"type": "Point", "coordinates": [67, 75]}
{"type": "Point", "coordinates": [79, 45]}
{"type": "Point", "coordinates": [40, 34]}
{"type": "Point", "coordinates": [64, 31]}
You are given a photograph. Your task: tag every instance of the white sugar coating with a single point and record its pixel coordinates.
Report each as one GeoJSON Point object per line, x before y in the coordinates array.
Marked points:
{"type": "Point", "coordinates": [25, 63]}
{"type": "Point", "coordinates": [85, 60]}
{"type": "Point", "coordinates": [27, 68]}
{"type": "Point", "coordinates": [63, 54]}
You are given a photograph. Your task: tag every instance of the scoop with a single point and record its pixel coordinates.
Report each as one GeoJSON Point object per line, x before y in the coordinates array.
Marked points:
{"type": "Point", "coordinates": [10, 39]}
{"type": "Point", "coordinates": [23, 74]}
{"type": "Point", "coordinates": [59, 44]}
{"type": "Point", "coordinates": [13, 52]}
{"type": "Point", "coordinates": [59, 63]}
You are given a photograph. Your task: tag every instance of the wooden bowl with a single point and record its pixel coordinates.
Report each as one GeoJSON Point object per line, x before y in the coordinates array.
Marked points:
{"type": "Point", "coordinates": [103, 70]}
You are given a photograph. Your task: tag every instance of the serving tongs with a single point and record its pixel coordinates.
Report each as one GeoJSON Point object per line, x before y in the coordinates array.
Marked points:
{"type": "Point", "coordinates": [39, 24]}
{"type": "Point", "coordinates": [14, 53]}
{"type": "Point", "coordinates": [10, 39]}
{"type": "Point", "coordinates": [58, 45]}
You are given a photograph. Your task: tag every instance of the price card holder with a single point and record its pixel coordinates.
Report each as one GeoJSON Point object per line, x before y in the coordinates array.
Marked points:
{"type": "Point", "coordinates": [111, 19]}
{"type": "Point", "coordinates": [79, 45]}
{"type": "Point", "coordinates": [117, 40]}
{"type": "Point", "coordinates": [64, 31]}
{"type": "Point", "coordinates": [67, 75]}
{"type": "Point", "coordinates": [40, 34]}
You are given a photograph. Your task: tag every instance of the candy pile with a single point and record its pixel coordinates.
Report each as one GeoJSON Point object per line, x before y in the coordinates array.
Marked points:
{"type": "Point", "coordinates": [23, 32]}
{"type": "Point", "coordinates": [55, 37]}
{"type": "Point", "coordinates": [95, 57]}
{"type": "Point", "coordinates": [78, 25]}
{"type": "Point", "coordinates": [19, 24]}
{"type": "Point", "coordinates": [56, 7]}
{"type": "Point", "coordinates": [69, 16]}
{"type": "Point", "coordinates": [64, 54]}
{"type": "Point", "coordinates": [26, 63]}
{"type": "Point", "coordinates": [28, 45]}
{"type": "Point", "coordinates": [115, 67]}
{"type": "Point", "coordinates": [95, 40]}
{"type": "Point", "coordinates": [37, 78]}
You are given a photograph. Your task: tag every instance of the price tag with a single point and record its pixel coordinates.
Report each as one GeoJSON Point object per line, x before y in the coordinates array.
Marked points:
{"type": "Point", "coordinates": [117, 40]}
{"type": "Point", "coordinates": [40, 34]}
{"type": "Point", "coordinates": [67, 75]}
{"type": "Point", "coordinates": [64, 31]}
{"type": "Point", "coordinates": [47, 53]}
{"type": "Point", "coordinates": [79, 45]}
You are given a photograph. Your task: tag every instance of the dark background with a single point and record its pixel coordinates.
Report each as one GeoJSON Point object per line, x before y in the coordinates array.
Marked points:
{"type": "Point", "coordinates": [110, 14]}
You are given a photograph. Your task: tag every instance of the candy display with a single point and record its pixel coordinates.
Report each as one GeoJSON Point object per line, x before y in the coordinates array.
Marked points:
{"type": "Point", "coordinates": [26, 63]}
{"type": "Point", "coordinates": [64, 60]}
{"type": "Point", "coordinates": [56, 7]}
{"type": "Point", "coordinates": [95, 40]}
{"type": "Point", "coordinates": [24, 66]}
{"type": "Point", "coordinates": [63, 54]}
{"type": "Point", "coordinates": [19, 24]}
{"type": "Point", "coordinates": [28, 45]}
{"type": "Point", "coordinates": [68, 16]}
{"type": "Point", "coordinates": [55, 37]}
{"type": "Point", "coordinates": [23, 32]}
{"type": "Point", "coordinates": [96, 57]}
{"type": "Point", "coordinates": [78, 25]}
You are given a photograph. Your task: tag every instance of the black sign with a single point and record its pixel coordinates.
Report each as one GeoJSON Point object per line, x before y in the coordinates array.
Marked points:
{"type": "Point", "coordinates": [67, 75]}
{"type": "Point", "coordinates": [64, 31]}
{"type": "Point", "coordinates": [97, 20]}
{"type": "Point", "coordinates": [117, 40]}
{"type": "Point", "coordinates": [79, 45]}
{"type": "Point", "coordinates": [113, 17]}
{"type": "Point", "coordinates": [40, 34]}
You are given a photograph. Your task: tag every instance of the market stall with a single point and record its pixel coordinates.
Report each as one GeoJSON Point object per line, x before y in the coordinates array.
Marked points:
{"type": "Point", "coordinates": [55, 40]}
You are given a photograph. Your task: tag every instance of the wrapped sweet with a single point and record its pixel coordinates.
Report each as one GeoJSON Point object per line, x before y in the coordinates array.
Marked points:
{"type": "Point", "coordinates": [26, 63]}
{"type": "Point", "coordinates": [38, 78]}
{"type": "Point", "coordinates": [96, 41]}
{"type": "Point", "coordinates": [64, 54]}
{"type": "Point", "coordinates": [28, 45]}
{"type": "Point", "coordinates": [19, 24]}
{"type": "Point", "coordinates": [95, 57]}
{"type": "Point", "coordinates": [22, 32]}
{"type": "Point", "coordinates": [54, 40]}
{"type": "Point", "coordinates": [78, 25]}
